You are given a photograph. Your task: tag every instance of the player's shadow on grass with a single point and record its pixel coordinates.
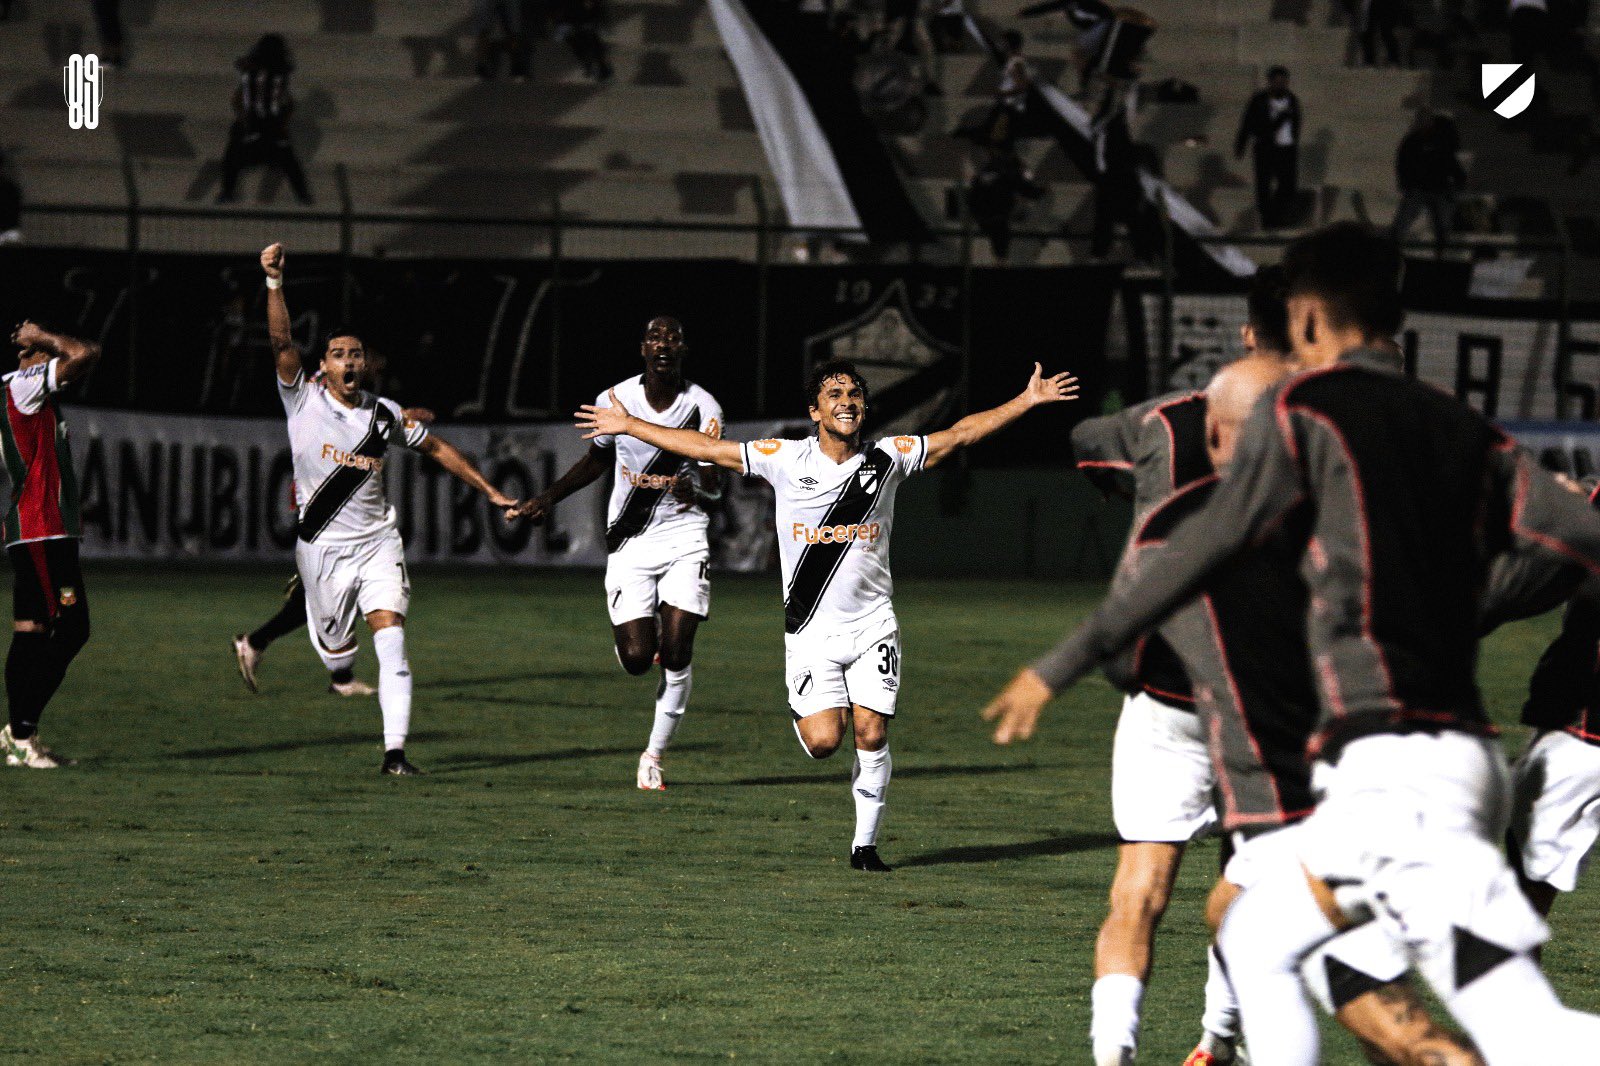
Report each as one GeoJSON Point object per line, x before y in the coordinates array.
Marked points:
{"type": "Point", "coordinates": [334, 741]}
{"type": "Point", "coordinates": [823, 778]}
{"type": "Point", "coordinates": [462, 764]}
{"type": "Point", "coordinates": [1069, 844]}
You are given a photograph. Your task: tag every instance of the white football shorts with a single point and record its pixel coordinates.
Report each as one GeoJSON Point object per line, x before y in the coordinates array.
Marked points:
{"type": "Point", "coordinates": [346, 582]}
{"type": "Point", "coordinates": [646, 572]}
{"type": "Point", "coordinates": [838, 669]}
{"type": "Point", "coordinates": [1161, 775]}
{"type": "Point", "coordinates": [1555, 817]}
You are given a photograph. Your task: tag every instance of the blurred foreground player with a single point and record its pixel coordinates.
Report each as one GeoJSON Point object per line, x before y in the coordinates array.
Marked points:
{"type": "Point", "coordinates": [349, 553]}
{"type": "Point", "coordinates": [835, 510]}
{"type": "Point", "coordinates": [1162, 780]}
{"type": "Point", "coordinates": [658, 587]}
{"type": "Point", "coordinates": [1411, 494]}
{"type": "Point", "coordinates": [42, 529]}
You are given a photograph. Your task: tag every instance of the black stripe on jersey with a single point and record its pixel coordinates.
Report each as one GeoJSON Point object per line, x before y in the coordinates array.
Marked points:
{"type": "Point", "coordinates": [640, 503]}
{"type": "Point", "coordinates": [337, 488]}
{"type": "Point", "coordinates": [818, 562]}
{"type": "Point", "coordinates": [1186, 427]}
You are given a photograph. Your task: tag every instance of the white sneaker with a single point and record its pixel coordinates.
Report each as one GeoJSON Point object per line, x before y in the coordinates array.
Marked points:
{"type": "Point", "coordinates": [354, 687]}
{"type": "Point", "coordinates": [650, 778]}
{"type": "Point", "coordinates": [29, 753]}
{"type": "Point", "coordinates": [248, 659]}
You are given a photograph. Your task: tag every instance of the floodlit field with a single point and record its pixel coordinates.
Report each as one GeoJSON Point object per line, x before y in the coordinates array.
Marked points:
{"type": "Point", "coordinates": [226, 877]}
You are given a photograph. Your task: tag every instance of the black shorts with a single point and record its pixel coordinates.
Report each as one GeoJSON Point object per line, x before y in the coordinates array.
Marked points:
{"type": "Point", "coordinates": [48, 580]}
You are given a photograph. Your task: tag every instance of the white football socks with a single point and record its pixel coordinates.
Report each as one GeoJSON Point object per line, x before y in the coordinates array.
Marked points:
{"type": "Point", "coordinates": [1268, 930]}
{"type": "Point", "coordinates": [672, 699]}
{"type": "Point", "coordinates": [394, 685]}
{"type": "Point", "coordinates": [1220, 1019]}
{"type": "Point", "coordinates": [869, 784]}
{"type": "Point", "coordinates": [1114, 1026]}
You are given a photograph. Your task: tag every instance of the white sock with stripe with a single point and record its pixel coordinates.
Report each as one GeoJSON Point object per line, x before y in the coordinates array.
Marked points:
{"type": "Point", "coordinates": [394, 685]}
{"type": "Point", "coordinates": [672, 699]}
{"type": "Point", "coordinates": [869, 785]}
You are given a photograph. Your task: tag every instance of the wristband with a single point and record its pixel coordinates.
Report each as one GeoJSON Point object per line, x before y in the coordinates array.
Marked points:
{"type": "Point", "coordinates": [274, 283]}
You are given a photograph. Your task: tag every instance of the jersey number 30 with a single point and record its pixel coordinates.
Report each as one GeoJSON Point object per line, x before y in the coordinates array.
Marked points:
{"type": "Point", "coordinates": [891, 660]}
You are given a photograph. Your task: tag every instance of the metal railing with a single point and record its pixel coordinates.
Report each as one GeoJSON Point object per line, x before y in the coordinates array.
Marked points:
{"type": "Point", "coordinates": [948, 246]}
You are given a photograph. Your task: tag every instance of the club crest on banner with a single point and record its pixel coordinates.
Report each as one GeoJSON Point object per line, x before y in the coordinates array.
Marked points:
{"type": "Point", "coordinates": [1497, 76]}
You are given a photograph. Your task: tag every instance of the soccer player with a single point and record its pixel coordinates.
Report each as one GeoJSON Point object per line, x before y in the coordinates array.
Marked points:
{"type": "Point", "coordinates": [1410, 493]}
{"type": "Point", "coordinates": [42, 529]}
{"type": "Point", "coordinates": [349, 554]}
{"type": "Point", "coordinates": [248, 648]}
{"type": "Point", "coordinates": [1555, 815]}
{"type": "Point", "coordinates": [657, 587]}
{"type": "Point", "coordinates": [1161, 775]}
{"type": "Point", "coordinates": [835, 511]}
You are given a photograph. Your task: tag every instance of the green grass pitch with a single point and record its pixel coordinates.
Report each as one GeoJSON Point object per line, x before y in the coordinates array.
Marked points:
{"type": "Point", "coordinates": [225, 877]}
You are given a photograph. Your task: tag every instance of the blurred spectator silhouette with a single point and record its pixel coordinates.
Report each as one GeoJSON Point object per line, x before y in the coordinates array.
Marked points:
{"type": "Point", "coordinates": [502, 27]}
{"type": "Point", "coordinates": [1429, 175]}
{"type": "Point", "coordinates": [262, 105]}
{"type": "Point", "coordinates": [1271, 121]}
{"type": "Point", "coordinates": [108, 20]}
{"type": "Point", "coordinates": [993, 195]}
{"type": "Point", "coordinates": [578, 23]}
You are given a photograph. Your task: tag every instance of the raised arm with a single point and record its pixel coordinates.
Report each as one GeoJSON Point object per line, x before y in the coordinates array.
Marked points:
{"type": "Point", "coordinates": [973, 428]}
{"type": "Point", "coordinates": [1548, 514]}
{"type": "Point", "coordinates": [75, 357]}
{"type": "Point", "coordinates": [446, 455]}
{"type": "Point", "coordinates": [1260, 488]}
{"type": "Point", "coordinates": [583, 473]}
{"type": "Point", "coordinates": [284, 353]}
{"type": "Point", "coordinates": [689, 443]}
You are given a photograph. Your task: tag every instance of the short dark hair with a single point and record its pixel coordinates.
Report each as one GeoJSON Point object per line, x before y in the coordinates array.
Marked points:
{"type": "Point", "coordinates": [1355, 271]}
{"type": "Point", "coordinates": [832, 368]}
{"type": "Point", "coordinates": [341, 329]}
{"type": "Point", "coordinates": [1279, 71]}
{"type": "Point", "coordinates": [1269, 309]}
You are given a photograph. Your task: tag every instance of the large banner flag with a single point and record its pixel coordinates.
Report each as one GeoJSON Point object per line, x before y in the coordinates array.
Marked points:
{"type": "Point", "coordinates": [832, 169]}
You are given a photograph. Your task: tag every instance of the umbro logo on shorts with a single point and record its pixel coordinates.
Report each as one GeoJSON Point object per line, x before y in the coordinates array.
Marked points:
{"type": "Point", "coordinates": [808, 481]}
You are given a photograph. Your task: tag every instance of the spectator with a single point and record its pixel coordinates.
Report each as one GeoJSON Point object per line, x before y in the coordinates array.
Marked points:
{"type": "Point", "coordinates": [500, 26]}
{"type": "Point", "coordinates": [949, 26]}
{"type": "Point", "coordinates": [1372, 20]}
{"type": "Point", "coordinates": [10, 205]}
{"type": "Point", "coordinates": [1272, 120]}
{"type": "Point", "coordinates": [993, 193]}
{"type": "Point", "coordinates": [1429, 176]}
{"type": "Point", "coordinates": [108, 20]}
{"type": "Point", "coordinates": [262, 105]}
{"type": "Point", "coordinates": [1529, 24]}
{"type": "Point", "coordinates": [907, 33]}
{"type": "Point", "coordinates": [578, 23]}
{"type": "Point", "coordinates": [1011, 96]}
{"type": "Point", "coordinates": [1117, 192]}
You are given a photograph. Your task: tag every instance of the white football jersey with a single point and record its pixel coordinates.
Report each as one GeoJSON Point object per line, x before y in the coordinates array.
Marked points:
{"type": "Point", "coordinates": [834, 521]}
{"type": "Point", "coordinates": [338, 460]}
{"type": "Point", "coordinates": [641, 505]}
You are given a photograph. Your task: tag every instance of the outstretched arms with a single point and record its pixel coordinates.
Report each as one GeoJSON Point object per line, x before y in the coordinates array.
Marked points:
{"type": "Point", "coordinates": [689, 443]}
{"type": "Point", "coordinates": [75, 357]}
{"type": "Point", "coordinates": [583, 473]}
{"type": "Point", "coordinates": [284, 353]}
{"type": "Point", "coordinates": [973, 428]}
{"type": "Point", "coordinates": [445, 454]}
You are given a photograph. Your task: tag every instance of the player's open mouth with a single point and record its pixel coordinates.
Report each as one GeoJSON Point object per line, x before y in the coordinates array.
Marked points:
{"type": "Point", "coordinates": [349, 379]}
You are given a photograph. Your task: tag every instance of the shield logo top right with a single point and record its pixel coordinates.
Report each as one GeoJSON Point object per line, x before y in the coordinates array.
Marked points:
{"type": "Point", "coordinates": [1508, 87]}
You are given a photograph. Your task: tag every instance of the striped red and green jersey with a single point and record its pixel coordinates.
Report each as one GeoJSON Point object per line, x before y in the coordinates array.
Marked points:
{"type": "Point", "coordinates": [44, 489]}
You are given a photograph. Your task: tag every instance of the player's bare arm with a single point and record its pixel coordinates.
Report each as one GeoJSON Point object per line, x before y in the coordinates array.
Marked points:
{"type": "Point", "coordinates": [689, 443]}
{"type": "Point", "coordinates": [286, 357]}
{"type": "Point", "coordinates": [448, 456]}
{"type": "Point", "coordinates": [1015, 711]}
{"type": "Point", "coordinates": [970, 430]}
{"type": "Point", "coordinates": [76, 356]}
{"type": "Point", "coordinates": [589, 468]}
